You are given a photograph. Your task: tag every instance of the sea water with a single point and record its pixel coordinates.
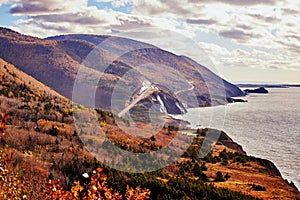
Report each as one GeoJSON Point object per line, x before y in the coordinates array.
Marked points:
{"type": "Point", "coordinates": [267, 126]}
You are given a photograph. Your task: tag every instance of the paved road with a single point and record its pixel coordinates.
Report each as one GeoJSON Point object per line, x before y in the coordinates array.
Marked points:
{"type": "Point", "coordinates": [184, 90]}
{"type": "Point", "coordinates": [140, 97]}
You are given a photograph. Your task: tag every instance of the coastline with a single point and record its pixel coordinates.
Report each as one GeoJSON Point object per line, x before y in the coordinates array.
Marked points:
{"type": "Point", "coordinates": [286, 168]}
{"type": "Point", "coordinates": [250, 170]}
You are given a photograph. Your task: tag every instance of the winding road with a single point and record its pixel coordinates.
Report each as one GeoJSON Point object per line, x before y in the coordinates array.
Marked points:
{"type": "Point", "coordinates": [145, 93]}
{"type": "Point", "coordinates": [184, 90]}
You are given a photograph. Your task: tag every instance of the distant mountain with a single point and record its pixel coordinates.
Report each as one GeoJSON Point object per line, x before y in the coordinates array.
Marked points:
{"type": "Point", "coordinates": [55, 62]}
{"type": "Point", "coordinates": [269, 85]}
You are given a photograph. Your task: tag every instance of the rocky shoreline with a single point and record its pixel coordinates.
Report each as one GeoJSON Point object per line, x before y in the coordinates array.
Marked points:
{"type": "Point", "coordinates": [257, 170]}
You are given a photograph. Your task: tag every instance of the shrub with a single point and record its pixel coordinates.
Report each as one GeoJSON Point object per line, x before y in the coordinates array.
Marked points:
{"type": "Point", "coordinates": [48, 107]}
{"type": "Point", "coordinates": [219, 177]}
{"type": "Point", "coordinates": [224, 162]}
{"type": "Point", "coordinates": [227, 176]}
{"type": "Point", "coordinates": [54, 131]}
{"type": "Point", "coordinates": [258, 187]}
{"type": "Point", "coordinates": [203, 167]}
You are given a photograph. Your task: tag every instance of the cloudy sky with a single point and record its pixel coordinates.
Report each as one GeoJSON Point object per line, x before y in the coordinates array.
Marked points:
{"type": "Point", "coordinates": [247, 40]}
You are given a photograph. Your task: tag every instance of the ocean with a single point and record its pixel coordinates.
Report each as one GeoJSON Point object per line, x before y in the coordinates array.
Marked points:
{"type": "Point", "coordinates": [267, 126]}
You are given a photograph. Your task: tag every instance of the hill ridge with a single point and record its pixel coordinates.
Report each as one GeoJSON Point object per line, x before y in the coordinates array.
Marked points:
{"type": "Point", "coordinates": [55, 61]}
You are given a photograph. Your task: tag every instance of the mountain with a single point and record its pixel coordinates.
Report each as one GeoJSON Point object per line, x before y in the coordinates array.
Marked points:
{"type": "Point", "coordinates": [55, 61]}
{"type": "Point", "coordinates": [42, 157]}
{"type": "Point", "coordinates": [207, 85]}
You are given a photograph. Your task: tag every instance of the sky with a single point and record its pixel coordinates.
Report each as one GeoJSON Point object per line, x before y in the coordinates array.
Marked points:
{"type": "Point", "coordinates": [254, 41]}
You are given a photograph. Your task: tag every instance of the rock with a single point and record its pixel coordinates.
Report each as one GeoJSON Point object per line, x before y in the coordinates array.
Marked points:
{"type": "Point", "coordinates": [234, 100]}
{"type": "Point", "coordinates": [260, 90]}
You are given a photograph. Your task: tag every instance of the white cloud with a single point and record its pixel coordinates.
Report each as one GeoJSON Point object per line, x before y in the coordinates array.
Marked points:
{"type": "Point", "coordinates": [190, 8]}
{"type": "Point", "coordinates": [116, 3]}
{"type": "Point", "coordinates": [88, 20]}
{"type": "Point", "coordinates": [2, 2]}
{"type": "Point", "coordinates": [36, 7]}
{"type": "Point", "coordinates": [170, 8]}
{"type": "Point", "coordinates": [270, 26]}
{"type": "Point", "coordinates": [91, 20]}
{"type": "Point", "coordinates": [104, 1]}
{"type": "Point", "coordinates": [258, 59]}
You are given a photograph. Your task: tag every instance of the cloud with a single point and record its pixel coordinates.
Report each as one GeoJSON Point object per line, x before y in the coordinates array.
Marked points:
{"type": "Point", "coordinates": [189, 8]}
{"type": "Point", "coordinates": [242, 2]}
{"type": "Point", "coordinates": [291, 46]}
{"type": "Point", "coordinates": [201, 21]}
{"type": "Point", "coordinates": [297, 37]}
{"type": "Point", "coordinates": [116, 3]}
{"type": "Point", "coordinates": [244, 27]}
{"type": "Point", "coordinates": [238, 59]}
{"type": "Point", "coordinates": [35, 7]}
{"type": "Point", "coordinates": [126, 23]}
{"type": "Point", "coordinates": [183, 3]}
{"type": "Point", "coordinates": [259, 33]}
{"type": "Point", "coordinates": [84, 17]}
{"type": "Point", "coordinates": [104, 1]}
{"type": "Point", "coordinates": [265, 19]}
{"type": "Point", "coordinates": [238, 35]}
{"type": "Point", "coordinates": [170, 8]}
{"type": "Point", "coordinates": [2, 2]}
{"type": "Point", "coordinates": [288, 11]}
{"type": "Point", "coordinates": [87, 20]}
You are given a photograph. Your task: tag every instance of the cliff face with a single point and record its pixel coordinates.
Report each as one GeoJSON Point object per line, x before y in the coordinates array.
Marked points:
{"type": "Point", "coordinates": [55, 62]}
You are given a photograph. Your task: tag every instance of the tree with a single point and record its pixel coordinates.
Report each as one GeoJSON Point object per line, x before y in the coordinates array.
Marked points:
{"type": "Point", "coordinates": [227, 176]}
{"type": "Point", "coordinates": [203, 167]}
{"type": "Point", "coordinates": [152, 138]}
{"type": "Point", "coordinates": [219, 177]}
{"type": "Point", "coordinates": [197, 170]}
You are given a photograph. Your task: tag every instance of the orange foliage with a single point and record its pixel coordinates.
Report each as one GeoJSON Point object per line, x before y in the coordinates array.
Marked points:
{"type": "Point", "coordinates": [3, 118]}
{"type": "Point", "coordinates": [137, 194]}
{"type": "Point", "coordinates": [55, 191]}
{"type": "Point", "coordinates": [95, 188]}
{"type": "Point", "coordinates": [11, 186]}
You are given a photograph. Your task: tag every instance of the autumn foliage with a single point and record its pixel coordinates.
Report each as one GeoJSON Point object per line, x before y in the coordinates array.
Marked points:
{"type": "Point", "coordinates": [2, 123]}
{"type": "Point", "coordinates": [94, 187]}
{"type": "Point", "coordinates": [10, 183]}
